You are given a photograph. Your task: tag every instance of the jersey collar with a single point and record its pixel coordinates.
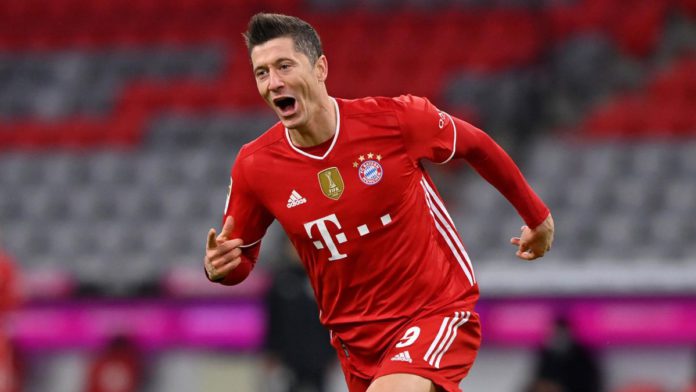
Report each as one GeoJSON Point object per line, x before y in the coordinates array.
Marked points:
{"type": "Point", "coordinates": [333, 142]}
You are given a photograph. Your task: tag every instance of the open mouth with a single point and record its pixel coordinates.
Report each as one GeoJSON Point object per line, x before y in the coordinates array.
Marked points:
{"type": "Point", "coordinates": [285, 104]}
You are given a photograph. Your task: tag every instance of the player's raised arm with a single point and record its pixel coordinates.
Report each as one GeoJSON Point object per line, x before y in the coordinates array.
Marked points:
{"type": "Point", "coordinates": [222, 254]}
{"type": "Point", "coordinates": [439, 137]}
{"type": "Point", "coordinates": [496, 166]}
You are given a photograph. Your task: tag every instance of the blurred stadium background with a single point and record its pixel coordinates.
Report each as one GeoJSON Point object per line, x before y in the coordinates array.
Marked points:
{"type": "Point", "coordinates": [119, 121]}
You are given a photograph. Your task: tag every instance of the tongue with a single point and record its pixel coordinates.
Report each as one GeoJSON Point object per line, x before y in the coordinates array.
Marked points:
{"type": "Point", "coordinates": [288, 108]}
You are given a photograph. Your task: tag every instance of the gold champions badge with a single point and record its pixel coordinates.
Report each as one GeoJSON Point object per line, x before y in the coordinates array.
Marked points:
{"type": "Point", "coordinates": [331, 183]}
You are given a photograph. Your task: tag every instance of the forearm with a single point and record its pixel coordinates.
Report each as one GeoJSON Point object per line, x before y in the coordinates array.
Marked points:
{"type": "Point", "coordinates": [496, 166]}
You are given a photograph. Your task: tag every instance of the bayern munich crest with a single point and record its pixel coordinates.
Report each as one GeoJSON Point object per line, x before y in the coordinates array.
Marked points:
{"type": "Point", "coordinates": [370, 172]}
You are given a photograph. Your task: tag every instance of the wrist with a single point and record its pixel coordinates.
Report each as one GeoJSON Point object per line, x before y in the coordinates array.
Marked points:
{"type": "Point", "coordinates": [545, 224]}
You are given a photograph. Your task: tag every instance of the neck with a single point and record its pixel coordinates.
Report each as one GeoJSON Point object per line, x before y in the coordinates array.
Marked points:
{"type": "Point", "coordinates": [320, 128]}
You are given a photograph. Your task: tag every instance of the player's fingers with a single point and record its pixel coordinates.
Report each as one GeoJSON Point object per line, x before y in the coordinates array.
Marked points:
{"type": "Point", "coordinates": [219, 260]}
{"type": "Point", "coordinates": [217, 270]}
{"type": "Point", "coordinates": [236, 252]}
{"type": "Point", "coordinates": [526, 255]}
{"type": "Point", "coordinates": [222, 258]}
{"type": "Point", "coordinates": [211, 243]}
{"type": "Point", "coordinates": [227, 229]}
{"type": "Point", "coordinates": [515, 241]}
{"type": "Point", "coordinates": [523, 246]}
{"type": "Point", "coordinates": [226, 246]}
{"type": "Point", "coordinates": [224, 253]}
{"type": "Point", "coordinates": [226, 259]}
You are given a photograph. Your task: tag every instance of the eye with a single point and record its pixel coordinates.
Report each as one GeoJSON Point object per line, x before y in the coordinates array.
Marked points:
{"type": "Point", "coordinates": [261, 73]}
{"type": "Point", "coordinates": [285, 67]}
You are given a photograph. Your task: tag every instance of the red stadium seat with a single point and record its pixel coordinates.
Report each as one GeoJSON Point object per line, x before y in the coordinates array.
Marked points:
{"type": "Point", "coordinates": [663, 108]}
{"type": "Point", "coordinates": [688, 6]}
{"type": "Point", "coordinates": [637, 31]}
{"type": "Point", "coordinates": [616, 118]}
{"type": "Point", "coordinates": [414, 48]}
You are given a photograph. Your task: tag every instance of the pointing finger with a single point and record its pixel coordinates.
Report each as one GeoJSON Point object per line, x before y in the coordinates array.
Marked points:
{"type": "Point", "coordinates": [227, 229]}
{"type": "Point", "coordinates": [212, 244]}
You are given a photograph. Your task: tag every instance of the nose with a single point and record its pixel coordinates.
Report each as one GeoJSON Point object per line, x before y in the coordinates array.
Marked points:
{"type": "Point", "coordinates": [275, 82]}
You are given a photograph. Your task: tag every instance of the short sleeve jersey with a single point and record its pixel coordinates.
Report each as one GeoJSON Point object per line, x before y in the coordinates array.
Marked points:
{"type": "Point", "coordinates": [371, 229]}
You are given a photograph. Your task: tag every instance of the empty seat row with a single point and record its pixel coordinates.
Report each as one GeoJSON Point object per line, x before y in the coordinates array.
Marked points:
{"type": "Point", "coordinates": [115, 169]}
{"type": "Point", "coordinates": [607, 161]}
{"type": "Point", "coordinates": [57, 86]}
{"type": "Point", "coordinates": [98, 229]}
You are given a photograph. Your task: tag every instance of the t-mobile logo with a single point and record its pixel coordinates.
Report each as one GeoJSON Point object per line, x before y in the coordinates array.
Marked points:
{"type": "Point", "coordinates": [326, 236]}
{"type": "Point", "coordinates": [328, 239]}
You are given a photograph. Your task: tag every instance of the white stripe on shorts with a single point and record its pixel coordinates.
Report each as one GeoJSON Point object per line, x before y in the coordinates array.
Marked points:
{"type": "Point", "coordinates": [441, 344]}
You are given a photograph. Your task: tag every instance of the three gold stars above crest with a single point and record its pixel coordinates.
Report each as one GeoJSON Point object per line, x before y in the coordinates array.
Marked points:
{"type": "Point", "coordinates": [370, 155]}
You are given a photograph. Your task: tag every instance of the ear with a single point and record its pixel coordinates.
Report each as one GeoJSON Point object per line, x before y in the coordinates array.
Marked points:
{"type": "Point", "coordinates": [321, 68]}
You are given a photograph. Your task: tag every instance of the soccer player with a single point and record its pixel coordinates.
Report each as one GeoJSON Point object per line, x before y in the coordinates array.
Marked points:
{"type": "Point", "coordinates": [392, 279]}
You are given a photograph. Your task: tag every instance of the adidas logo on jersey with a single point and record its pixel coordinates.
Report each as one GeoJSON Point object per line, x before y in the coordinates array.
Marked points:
{"type": "Point", "coordinates": [295, 199]}
{"type": "Point", "coordinates": [402, 357]}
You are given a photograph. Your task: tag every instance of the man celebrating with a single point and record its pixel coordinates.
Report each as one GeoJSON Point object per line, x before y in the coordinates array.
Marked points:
{"type": "Point", "coordinates": [392, 279]}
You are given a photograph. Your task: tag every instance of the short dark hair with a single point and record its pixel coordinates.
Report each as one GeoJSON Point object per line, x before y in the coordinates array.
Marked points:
{"type": "Point", "coordinates": [264, 27]}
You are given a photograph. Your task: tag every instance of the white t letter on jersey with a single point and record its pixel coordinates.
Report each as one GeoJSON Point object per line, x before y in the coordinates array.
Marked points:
{"type": "Point", "coordinates": [326, 236]}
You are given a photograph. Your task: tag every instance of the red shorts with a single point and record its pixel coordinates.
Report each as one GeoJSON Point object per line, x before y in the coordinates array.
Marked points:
{"type": "Point", "coordinates": [441, 348]}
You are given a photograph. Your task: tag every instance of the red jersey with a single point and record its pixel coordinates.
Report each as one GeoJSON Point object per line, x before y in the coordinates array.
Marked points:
{"type": "Point", "coordinates": [369, 225]}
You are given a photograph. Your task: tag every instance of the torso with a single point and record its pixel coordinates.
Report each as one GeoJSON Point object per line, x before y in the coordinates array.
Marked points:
{"type": "Point", "coordinates": [366, 223]}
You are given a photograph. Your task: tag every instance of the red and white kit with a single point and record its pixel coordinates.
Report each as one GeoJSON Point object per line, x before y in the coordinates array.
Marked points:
{"type": "Point", "coordinates": [391, 276]}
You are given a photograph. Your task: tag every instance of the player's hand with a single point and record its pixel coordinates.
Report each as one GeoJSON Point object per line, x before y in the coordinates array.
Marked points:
{"type": "Point", "coordinates": [222, 254]}
{"type": "Point", "coordinates": [534, 243]}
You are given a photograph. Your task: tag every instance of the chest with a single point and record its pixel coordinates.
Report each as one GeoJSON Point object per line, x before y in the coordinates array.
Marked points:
{"type": "Point", "coordinates": [354, 190]}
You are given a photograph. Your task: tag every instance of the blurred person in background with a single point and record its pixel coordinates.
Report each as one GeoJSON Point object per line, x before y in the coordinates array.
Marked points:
{"type": "Point", "coordinates": [11, 366]}
{"type": "Point", "coordinates": [565, 364]}
{"type": "Point", "coordinates": [394, 284]}
{"type": "Point", "coordinates": [296, 341]}
{"type": "Point", "coordinates": [118, 368]}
